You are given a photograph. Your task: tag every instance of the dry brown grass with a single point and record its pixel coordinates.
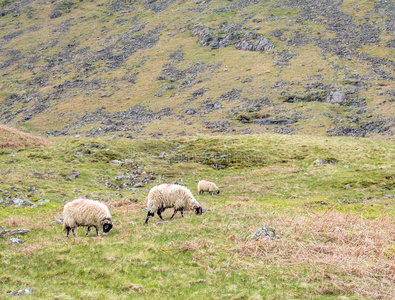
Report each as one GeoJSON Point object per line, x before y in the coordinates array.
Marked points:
{"type": "Point", "coordinates": [242, 198]}
{"type": "Point", "coordinates": [13, 138]}
{"type": "Point", "coordinates": [345, 251]}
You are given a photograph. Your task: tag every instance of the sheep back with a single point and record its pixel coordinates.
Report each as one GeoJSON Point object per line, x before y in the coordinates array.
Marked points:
{"type": "Point", "coordinates": [170, 196]}
{"type": "Point", "coordinates": [207, 186]}
{"type": "Point", "coordinates": [84, 212]}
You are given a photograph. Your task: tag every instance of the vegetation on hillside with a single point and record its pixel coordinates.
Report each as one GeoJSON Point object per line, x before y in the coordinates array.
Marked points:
{"type": "Point", "coordinates": [128, 68]}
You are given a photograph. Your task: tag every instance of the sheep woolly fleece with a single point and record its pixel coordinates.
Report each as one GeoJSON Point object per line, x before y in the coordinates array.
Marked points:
{"type": "Point", "coordinates": [169, 196]}
{"type": "Point", "coordinates": [207, 186]}
{"type": "Point", "coordinates": [84, 212]}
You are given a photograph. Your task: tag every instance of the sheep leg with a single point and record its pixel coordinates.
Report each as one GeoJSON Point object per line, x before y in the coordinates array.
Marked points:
{"type": "Point", "coordinates": [174, 213]}
{"type": "Point", "coordinates": [159, 212]}
{"type": "Point", "coordinates": [68, 231]}
{"type": "Point", "coordinates": [97, 231]}
{"type": "Point", "coordinates": [89, 229]}
{"type": "Point", "coordinates": [182, 212]}
{"type": "Point", "coordinates": [150, 214]}
{"type": "Point", "coordinates": [72, 229]}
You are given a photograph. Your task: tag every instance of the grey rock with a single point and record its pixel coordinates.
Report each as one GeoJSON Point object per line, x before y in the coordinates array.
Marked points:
{"type": "Point", "coordinates": [389, 196]}
{"type": "Point", "coordinates": [337, 98]}
{"type": "Point", "coordinates": [348, 186]}
{"type": "Point", "coordinates": [20, 292]}
{"type": "Point", "coordinates": [58, 221]}
{"type": "Point", "coordinates": [116, 162]}
{"type": "Point", "coordinates": [20, 231]}
{"type": "Point", "coordinates": [190, 111]}
{"type": "Point", "coordinates": [75, 174]}
{"type": "Point", "coordinates": [264, 233]}
{"type": "Point", "coordinates": [346, 166]}
{"type": "Point", "coordinates": [16, 241]}
{"type": "Point", "coordinates": [322, 161]}
{"type": "Point", "coordinates": [163, 155]}
{"type": "Point", "coordinates": [27, 203]}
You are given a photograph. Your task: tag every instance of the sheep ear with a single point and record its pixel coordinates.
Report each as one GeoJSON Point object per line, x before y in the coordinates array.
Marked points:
{"type": "Point", "coordinates": [105, 221]}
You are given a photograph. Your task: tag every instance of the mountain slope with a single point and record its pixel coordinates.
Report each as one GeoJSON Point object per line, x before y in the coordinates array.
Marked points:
{"type": "Point", "coordinates": [168, 68]}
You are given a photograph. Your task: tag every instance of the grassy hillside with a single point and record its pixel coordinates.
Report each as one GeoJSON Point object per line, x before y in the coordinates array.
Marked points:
{"type": "Point", "coordinates": [334, 219]}
{"type": "Point", "coordinates": [172, 68]}
{"type": "Point", "coordinates": [13, 138]}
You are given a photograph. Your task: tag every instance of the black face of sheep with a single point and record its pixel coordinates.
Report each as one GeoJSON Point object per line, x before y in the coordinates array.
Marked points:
{"type": "Point", "coordinates": [218, 192]}
{"type": "Point", "coordinates": [198, 210]}
{"type": "Point", "coordinates": [107, 227]}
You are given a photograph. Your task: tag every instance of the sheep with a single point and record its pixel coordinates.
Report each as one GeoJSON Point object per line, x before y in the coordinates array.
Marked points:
{"type": "Point", "coordinates": [207, 186]}
{"type": "Point", "coordinates": [85, 212]}
{"type": "Point", "coordinates": [171, 196]}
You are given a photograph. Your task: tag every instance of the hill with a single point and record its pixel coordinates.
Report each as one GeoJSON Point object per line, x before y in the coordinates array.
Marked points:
{"type": "Point", "coordinates": [170, 68]}
{"type": "Point", "coordinates": [13, 138]}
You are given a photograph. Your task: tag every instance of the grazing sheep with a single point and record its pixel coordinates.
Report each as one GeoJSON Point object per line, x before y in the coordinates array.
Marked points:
{"type": "Point", "coordinates": [171, 196]}
{"type": "Point", "coordinates": [207, 186]}
{"type": "Point", "coordinates": [85, 212]}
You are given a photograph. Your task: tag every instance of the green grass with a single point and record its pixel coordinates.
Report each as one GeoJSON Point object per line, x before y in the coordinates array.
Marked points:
{"type": "Point", "coordinates": [209, 256]}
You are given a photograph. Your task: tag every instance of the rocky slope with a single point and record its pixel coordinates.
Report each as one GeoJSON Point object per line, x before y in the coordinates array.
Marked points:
{"type": "Point", "coordinates": [172, 67]}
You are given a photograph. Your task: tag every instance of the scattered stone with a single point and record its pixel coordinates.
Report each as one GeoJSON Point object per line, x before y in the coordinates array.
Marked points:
{"type": "Point", "coordinates": [116, 162]}
{"type": "Point", "coordinates": [19, 203]}
{"type": "Point", "coordinates": [348, 186]}
{"type": "Point", "coordinates": [321, 202]}
{"type": "Point", "coordinates": [163, 155]}
{"type": "Point", "coordinates": [325, 161]}
{"type": "Point", "coordinates": [346, 166]}
{"type": "Point", "coordinates": [336, 97]}
{"type": "Point", "coordinates": [389, 196]}
{"type": "Point", "coordinates": [16, 241]}
{"type": "Point", "coordinates": [20, 292]}
{"type": "Point", "coordinates": [43, 201]}
{"type": "Point", "coordinates": [75, 174]}
{"type": "Point", "coordinates": [264, 233]}
{"type": "Point", "coordinates": [20, 231]}
{"type": "Point", "coordinates": [58, 221]}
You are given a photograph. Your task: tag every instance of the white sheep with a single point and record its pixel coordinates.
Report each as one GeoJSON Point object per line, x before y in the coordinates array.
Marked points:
{"type": "Point", "coordinates": [85, 212]}
{"type": "Point", "coordinates": [207, 186]}
{"type": "Point", "coordinates": [171, 196]}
